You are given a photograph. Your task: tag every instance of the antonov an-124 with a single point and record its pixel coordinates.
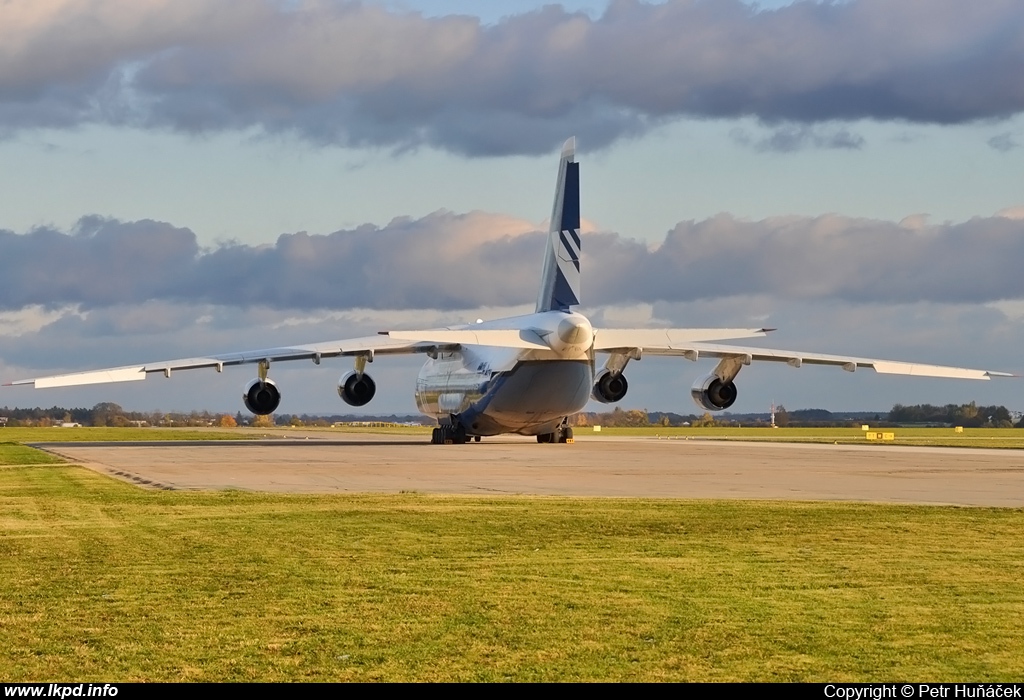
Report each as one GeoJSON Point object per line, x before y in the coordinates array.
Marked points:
{"type": "Point", "coordinates": [525, 374]}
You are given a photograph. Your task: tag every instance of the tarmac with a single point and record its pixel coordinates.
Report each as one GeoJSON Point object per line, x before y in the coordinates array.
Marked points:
{"type": "Point", "coordinates": [617, 467]}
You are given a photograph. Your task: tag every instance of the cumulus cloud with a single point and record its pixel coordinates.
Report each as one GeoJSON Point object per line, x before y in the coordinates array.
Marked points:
{"type": "Point", "coordinates": [356, 74]}
{"type": "Point", "coordinates": [441, 261]}
{"type": "Point", "coordinates": [825, 257]}
{"type": "Point", "coordinates": [448, 261]}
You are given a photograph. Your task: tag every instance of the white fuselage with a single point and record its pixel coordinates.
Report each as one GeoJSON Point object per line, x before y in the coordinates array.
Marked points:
{"type": "Point", "coordinates": [493, 390]}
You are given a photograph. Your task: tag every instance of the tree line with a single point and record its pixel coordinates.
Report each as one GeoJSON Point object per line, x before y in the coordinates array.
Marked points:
{"type": "Point", "coordinates": [112, 415]}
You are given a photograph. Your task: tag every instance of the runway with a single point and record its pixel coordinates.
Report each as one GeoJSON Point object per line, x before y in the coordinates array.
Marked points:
{"type": "Point", "coordinates": [594, 466]}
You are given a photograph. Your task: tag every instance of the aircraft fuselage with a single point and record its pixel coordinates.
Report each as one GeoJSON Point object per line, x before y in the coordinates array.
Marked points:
{"type": "Point", "coordinates": [492, 390]}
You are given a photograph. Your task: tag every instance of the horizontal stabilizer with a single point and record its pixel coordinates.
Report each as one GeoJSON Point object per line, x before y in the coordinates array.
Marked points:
{"type": "Point", "coordinates": [501, 338]}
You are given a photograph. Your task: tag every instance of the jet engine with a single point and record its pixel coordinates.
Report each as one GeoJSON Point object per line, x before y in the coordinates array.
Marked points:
{"type": "Point", "coordinates": [712, 393]}
{"type": "Point", "coordinates": [356, 389]}
{"type": "Point", "coordinates": [261, 396]}
{"type": "Point", "coordinates": [609, 386]}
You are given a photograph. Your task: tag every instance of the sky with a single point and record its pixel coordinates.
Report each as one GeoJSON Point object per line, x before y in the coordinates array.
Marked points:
{"type": "Point", "coordinates": [184, 177]}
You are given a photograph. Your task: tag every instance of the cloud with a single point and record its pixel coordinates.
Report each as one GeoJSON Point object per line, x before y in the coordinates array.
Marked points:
{"type": "Point", "coordinates": [1003, 142]}
{"type": "Point", "coordinates": [358, 74]}
{"type": "Point", "coordinates": [794, 137]}
{"type": "Point", "coordinates": [441, 261]}
{"type": "Point", "coordinates": [814, 258]}
{"type": "Point", "coordinates": [446, 261]}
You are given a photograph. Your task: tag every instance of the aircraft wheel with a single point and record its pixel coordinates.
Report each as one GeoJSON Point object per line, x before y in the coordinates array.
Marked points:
{"type": "Point", "coordinates": [458, 434]}
{"type": "Point", "coordinates": [435, 436]}
{"type": "Point", "coordinates": [476, 438]}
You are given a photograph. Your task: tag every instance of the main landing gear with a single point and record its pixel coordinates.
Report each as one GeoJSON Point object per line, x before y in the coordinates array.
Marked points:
{"type": "Point", "coordinates": [449, 434]}
{"type": "Point", "coordinates": [562, 435]}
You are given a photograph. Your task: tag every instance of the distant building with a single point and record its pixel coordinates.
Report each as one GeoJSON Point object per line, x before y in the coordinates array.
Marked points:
{"type": "Point", "coordinates": [3, 421]}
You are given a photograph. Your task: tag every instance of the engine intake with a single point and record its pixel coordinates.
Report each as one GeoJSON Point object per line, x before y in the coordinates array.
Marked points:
{"type": "Point", "coordinates": [261, 397]}
{"type": "Point", "coordinates": [713, 394]}
{"type": "Point", "coordinates": [356, 389]}
{"type": "Point", "coordinates": [609, 386]}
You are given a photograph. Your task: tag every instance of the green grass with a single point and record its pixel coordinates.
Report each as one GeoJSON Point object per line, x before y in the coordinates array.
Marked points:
{"type": "Point", "coordinates": [19, 454]}
{"type": "Point", "coordinates": [103, 581]}
{"type": "Point", "coordinates": [935, 437]}
{"type": "Point", "coordinates": [87, 434]}
{"type": "Point", "coordinates": [350, 429]}
{"type": "Point", "coordinates": [932, 437]}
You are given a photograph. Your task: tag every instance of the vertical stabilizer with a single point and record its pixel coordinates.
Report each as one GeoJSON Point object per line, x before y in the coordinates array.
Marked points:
{"type": "Point", "coordinates": [560, 281]}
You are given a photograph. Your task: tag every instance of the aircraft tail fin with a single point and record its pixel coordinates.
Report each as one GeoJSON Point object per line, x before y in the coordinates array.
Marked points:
{"type": "Point", "coordinates": [560, 280]}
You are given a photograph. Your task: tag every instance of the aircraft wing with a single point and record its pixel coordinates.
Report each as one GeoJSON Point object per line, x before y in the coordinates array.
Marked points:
{"type": "Point", "coordinates": [746, 355]}
{"type": "Point", "coordinates": [372, 345]}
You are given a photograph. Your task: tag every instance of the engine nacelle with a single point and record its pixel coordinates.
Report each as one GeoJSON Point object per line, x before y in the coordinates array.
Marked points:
{"type": "Point", "coordinates": [356, 389]}
{"type": "Point", "coordinates": [713, 394]}
{"type": "Point", "coordinates": [261, 397]}
{"type": "Point", "coordinates": [609, 386]}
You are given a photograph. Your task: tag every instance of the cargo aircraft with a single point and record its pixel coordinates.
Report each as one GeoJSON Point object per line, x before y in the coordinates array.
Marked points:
{"type": "Point", "coordinates": [525, 374]}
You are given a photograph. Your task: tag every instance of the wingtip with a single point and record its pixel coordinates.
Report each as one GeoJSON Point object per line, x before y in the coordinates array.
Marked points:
{"type": "Point", "coordinates": [769, 330]}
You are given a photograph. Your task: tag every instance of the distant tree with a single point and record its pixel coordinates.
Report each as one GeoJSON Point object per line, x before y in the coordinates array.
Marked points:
{"type": "Point", "coordinates": [227, 421]}
{"type": "Point", "coordinates": [705, 421]}
{"type": "Point", "coordinates": [103, 413]}
{"type": "Point", "coordinates": [263, 421]}
{"type": "Point", "coordinates": [781, 416]}
{"type": "Point", "coordinates": [637, 419]}
{"type": "Point", "coordinates": [968, 415]}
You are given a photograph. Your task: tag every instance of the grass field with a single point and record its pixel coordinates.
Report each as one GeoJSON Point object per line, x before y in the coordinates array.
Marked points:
{"type": "Point", "coordinates": [19, 454]}
{"type": "Point", "coordinates": [88, 434]}
{"type": "Point", "coordinates": [935, 437]}
{"type": "Point", "coordinates": [944, 437]}
{"type": "Point", "coordinates": [100, 580]}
